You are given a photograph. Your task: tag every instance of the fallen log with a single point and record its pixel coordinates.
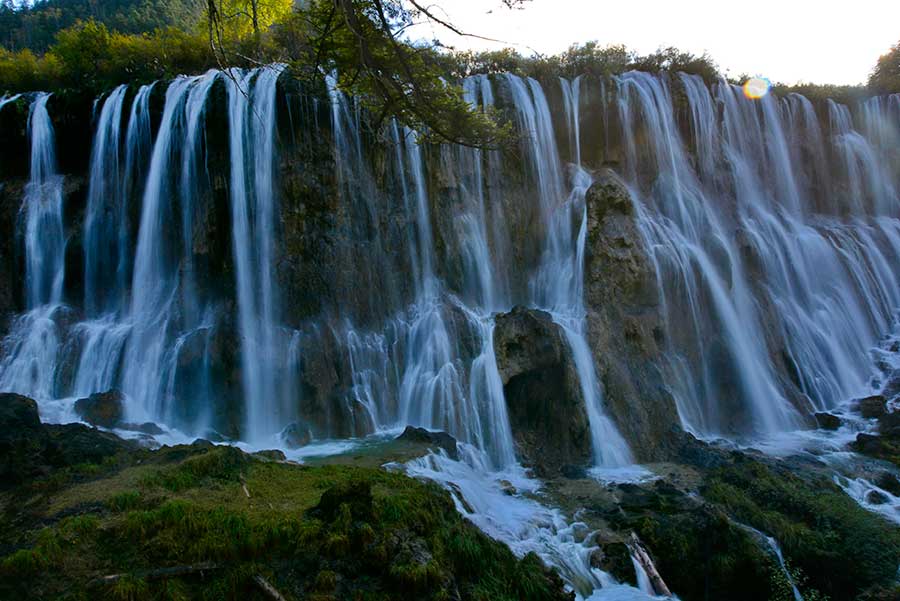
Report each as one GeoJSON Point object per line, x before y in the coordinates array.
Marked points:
{"type": "Point", "coordinates": [159, 573]}
{"type": "Point", "coordinates": [643, 558]}
{"type": "Point", "coordinates": [266, 587]}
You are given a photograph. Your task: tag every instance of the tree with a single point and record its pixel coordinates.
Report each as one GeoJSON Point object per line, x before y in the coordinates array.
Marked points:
{"type": "Point", "coordinates": [363, 42]}
{"type": "Point", "coordinates": [885, 77]}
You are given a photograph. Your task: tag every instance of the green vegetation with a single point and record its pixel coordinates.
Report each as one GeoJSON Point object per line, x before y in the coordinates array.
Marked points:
{"type": "Point", "coordinates": [885, 77]}
{"type": "Point", "coordinates": [34, 26]}
{"type": "Point", "coordinates": [841, 548]}
{"type": "Point", "coordinates": [207, 523]}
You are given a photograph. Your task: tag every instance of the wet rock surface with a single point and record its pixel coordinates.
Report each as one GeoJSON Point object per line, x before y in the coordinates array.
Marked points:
{"type": "Point", "coordinates": [871, 406]}
{"type": "Point", "coordinates": [625, 326]}
{"type": "Point", "coordinates": [543, 395]}
{"type": "Point", "coordinates": [828, 421]}
{"type": "Point", "coordinates": [29, 448]}
{"type": "Point", "coordinates": [440, 440]}
{"type": "Point", "coordinates": [295, 435]}
{"type": "Point", "coordinates": [103, 409]}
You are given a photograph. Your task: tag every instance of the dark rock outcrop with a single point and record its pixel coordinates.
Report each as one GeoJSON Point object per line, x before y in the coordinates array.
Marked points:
{"type": "Point", "coordinates": [297, 434]}
{"type": "Point", "coordinates": [871, 406]}
{"type": "Point", "coordinates": [889, 424]}
{"type": "Point", "coordinates": [29, 448]}
{"type": "Point", "coordinates": [543, 394]}
{"type": "Point", "coordinates": [615, 558]}
{"type": "Point", "coordinates": [441, 440]}
{"type": "Point", "coordinates": [624, 320]}
{"type": "Point", "coordinates": [827, 421]}
{"type": "Point", "coordinates": [103, 409]}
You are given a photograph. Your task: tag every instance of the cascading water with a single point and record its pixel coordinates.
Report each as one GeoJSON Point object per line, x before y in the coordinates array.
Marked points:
{"type": "Point", "coordinates": [559, 282]}
{"type": "Point", "coordinates": [44, 237]}
{"type": "Point", "coordinates": [106, 198]}
{"type": "Point", "coordinates": [794, 285]}
{"type": "Point", "coordinates": [155, 338]}
{"type": "Point", "coordinates": [251, 97]}
{"type": "Point", "coordinates": [32, 349]}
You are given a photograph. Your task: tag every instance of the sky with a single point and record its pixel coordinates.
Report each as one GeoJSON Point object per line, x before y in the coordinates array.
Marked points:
{"type": "Point", "coordinates": [787, 41]}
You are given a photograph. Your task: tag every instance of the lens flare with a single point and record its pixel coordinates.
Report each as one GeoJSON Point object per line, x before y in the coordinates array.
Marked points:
{"type": "Point", "coordinates": [756, 87]}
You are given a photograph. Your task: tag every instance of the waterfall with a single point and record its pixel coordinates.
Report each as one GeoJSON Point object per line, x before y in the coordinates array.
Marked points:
{"type": "Point", "coordinates": [251, 109]}
{"type": "Point", "coordinates": [773, 228]}
{"type": "Point", "coordinates": [106, 198]}
{"type": "Point", "coordinates": [558, 285]}
{"type": "Point", "coordinates": [752, 273]}
{"type": "Point", "coordinates": [33, 346]}
{"type": "Point", "coordinates": [153, 344]}
{"type": "Point", "coordinates": [44, 237]}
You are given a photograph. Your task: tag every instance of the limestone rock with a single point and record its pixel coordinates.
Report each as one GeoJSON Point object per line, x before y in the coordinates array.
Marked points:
{"type": "Point", "coordinates": [29, 448]}
{"type": "Point", "coordinates": [889, 482]}
{"type": "Point", "coordinates": [543, 394]}
{"type": "Point", "coordinates": [270, 455]}
{"type": "Point", "coordinates": [872, 406]}
{"type": "Point", "coordinates": [889, 424]}
{"type": "Point", "coordinates": [103, 409]}
{"type": "Point", "coordinates": [297, 434]}
{"type": "Point", "coordinates": [441, 440]}
{"type": "Point", "coordinates": [828, 421]}
{"type": "Point", "coordinates": [624, 321]}
{"type": "Point", "coordinates": [17, 414]}
{"type": "Point", "coordinates": [875, 497]}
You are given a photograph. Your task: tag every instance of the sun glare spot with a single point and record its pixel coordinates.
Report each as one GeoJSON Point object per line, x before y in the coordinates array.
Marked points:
{"type": "Point", "coordinates": [756, 87]}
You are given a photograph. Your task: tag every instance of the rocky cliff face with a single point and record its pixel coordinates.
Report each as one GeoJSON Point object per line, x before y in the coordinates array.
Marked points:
{"type": "Point", "coordinates": [543, 395]}
{"type": "Point", "coordinates": [391, 259]}
{"type": "Point", "coordinates": [624, 319]}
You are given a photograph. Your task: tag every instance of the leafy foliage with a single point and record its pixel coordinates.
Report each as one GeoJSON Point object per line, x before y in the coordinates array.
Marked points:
{"type": "Point", "coordinates": [885, 77]}
{"type": "Point", "coordinates": [35, 25]}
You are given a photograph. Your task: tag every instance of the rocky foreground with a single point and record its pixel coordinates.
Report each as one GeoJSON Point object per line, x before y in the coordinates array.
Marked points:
{"type": "Point", "coordinates": [87, 515]}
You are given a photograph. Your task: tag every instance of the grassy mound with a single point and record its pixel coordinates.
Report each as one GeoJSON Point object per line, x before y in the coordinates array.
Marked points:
{"type": "Point", "coordinates": [214, 523]}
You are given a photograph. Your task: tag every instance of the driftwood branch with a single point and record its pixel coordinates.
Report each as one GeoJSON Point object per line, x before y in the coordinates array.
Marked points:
{"type": "Point", "coordinates": [643, 558]}
{"type": "Point", "coordinates": [160, 573]}
{"type": "Point", "coordinates": [266, 587]}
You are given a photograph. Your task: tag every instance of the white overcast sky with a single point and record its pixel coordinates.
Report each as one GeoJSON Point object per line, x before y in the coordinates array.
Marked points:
{"type": "Point", "coordinates": [788, 41]}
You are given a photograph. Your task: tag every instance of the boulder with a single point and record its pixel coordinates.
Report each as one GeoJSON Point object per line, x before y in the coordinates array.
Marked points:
{"type": "Point", "coordinates": [145, 428]}
{"type": "Point", "coordinates": [892, 386]}
{"type": "Point", "coordinates": [104, 409]}
{"type": "Point", "coordinates": [889, 424]}
{"type": "Point", "coordinates": [827, 421]}
{"type": "Point", "coordinates": [889, 482]}
{"type": "Point", "coordinates": [872, 406]}
{"type": "Point", "coordinates": [21, 437]}
{"type": "Point", "coordinates": [546, 407]}
{"type": "Point", "coordinates": [270, 455]}
{"type": "Point", "coordinates": [625, 326]}
{"type": "Point", "coordinates": [615, 558]}
{"type": "Point", "coordinates": [440, 440]}
{"type": "Point", "coordinates": [74, 444]}
{"type": "Point", "coordinates": [876, 497]}
{"type": "Point", "coordinates": [295, 435]}
{"type": "Point", "coordinates": [867, 444]}
{"type": "Point", "coordinates": [18, 414]}
{"type": "Point", "coordinates": [30, 449]}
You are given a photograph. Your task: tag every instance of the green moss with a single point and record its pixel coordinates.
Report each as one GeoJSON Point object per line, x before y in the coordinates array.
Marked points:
{"type": "Point", "coordinates": [125, 500]}
{"type": "Point", "coordinates": [317, 533]}
{"type": "Point", "coordinates": [841, 548]}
